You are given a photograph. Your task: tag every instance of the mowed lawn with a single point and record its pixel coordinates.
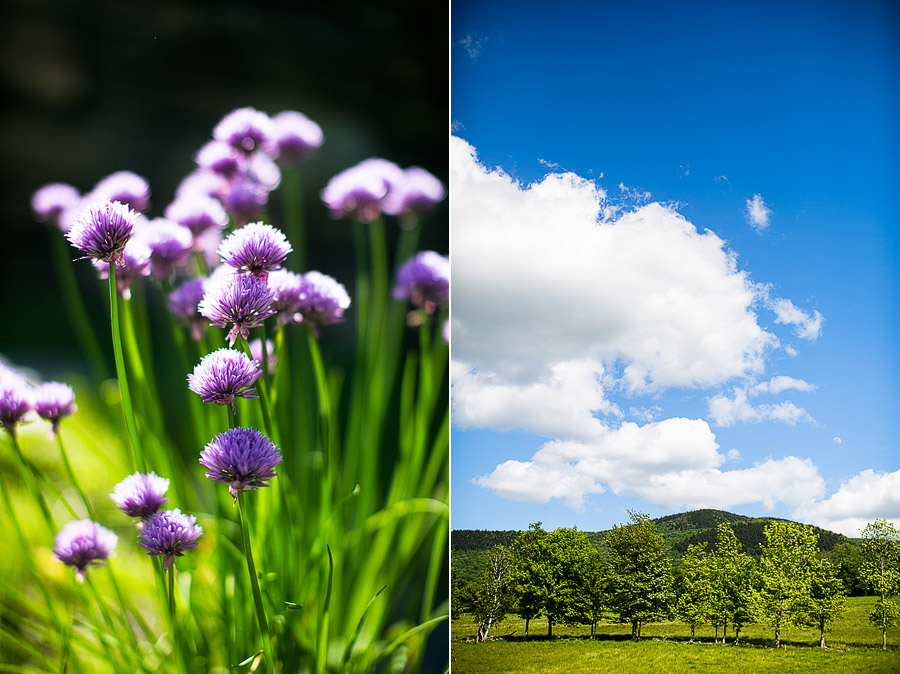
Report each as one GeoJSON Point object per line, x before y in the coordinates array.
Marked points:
{"type": "Point", "coordinates": [853, 646]}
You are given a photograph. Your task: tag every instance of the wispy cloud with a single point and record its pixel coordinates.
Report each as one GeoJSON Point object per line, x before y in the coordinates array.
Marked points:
{"type": "Point", "coordinates": [758, 213]}
{"type": "Point", "coordinates": [728, 411]}
{"type": "Point", "coordinates": [806, 325]}
{"type": "Point", "coordinates": [475, 44]}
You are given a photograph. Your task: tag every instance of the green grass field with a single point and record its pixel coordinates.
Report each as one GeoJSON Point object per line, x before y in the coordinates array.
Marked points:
{"type": "Point", "coordinates": [853, 646]}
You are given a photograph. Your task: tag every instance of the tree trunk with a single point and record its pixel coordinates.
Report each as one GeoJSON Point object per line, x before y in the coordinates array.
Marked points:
{"type": "Point", "coordinates": [724, 630]}
{"type": "Point", "coordinates": [822, 632]}
{"type": "Point", "coordinates": [484, 629]}
{"type": "Point", "coordinates": [884, 640]}
{"type": "Point", "coordinates": [634, 630]}
{"type": "Point", "coordinates": [527, 620]}
{"type": "Point", "coordinates": [737, 631]}
{"type": "Point", "coordinates": [777, 637]}
{"type": "Point", "coordinates": [692, 633]}
{"type": "Point", "coordinates": [593, 625]}
{"type": "Point", "coordinates": [549, 628]}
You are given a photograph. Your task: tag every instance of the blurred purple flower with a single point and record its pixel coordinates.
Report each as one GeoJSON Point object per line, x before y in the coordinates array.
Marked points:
{"type": "Point", "coordinates": [220, 158]}
{"type": "Point", "coordinates": [239, 300]}
{"type": "Point", "coordinates": [135, 264]}
{"type": "Point", "coordinates": [296, 137]}
{"type": "Point", "coordinates": [170, 246]}
{"type": "Point", "coordinates": [286, 285]}
{"type": "Point", "coordinates": [53, 401]}
{"type": "Point", "coordinates": [256, 248]}
{"type": "Point", "coordinates": [360, 191]}
{"type": "Point", "coordinates": [416, 194]}
{"type": "Point", "coordinates": [223, 375]}
{"type": "Point", "coordinates": [51, 201]}
{"type": "Point", "coordinates": [102, 231]}
{"type": "Point", "coordinates": [244, 198]}
{"type": "Point", "coordinates": [322, 300]}
{"type": "Point", "coordinates": [125, 187]}
{"type": "Point", "coordinates": [198, 182]}
{"type": "Point", "coordinates": [16, 400]}
{"type": "Point", "coordinates": [140, 494]}
{"type": "Point", "coordinates": [256, 350]}
{"type": "Point", "coordinates": [169, 533]}
{"type": "Point", "coordinates": [82, 542]}
{"type": "Point", "coordinates": [241, 457]}
{"type": "Point", "coordinates": [425, 281]}
{"type": "Point", "coordinates": [184, 301]}
{"type": "Point", "coordinates": [245, 129]}
{"type": "Point", "coordinates": [198, 212]}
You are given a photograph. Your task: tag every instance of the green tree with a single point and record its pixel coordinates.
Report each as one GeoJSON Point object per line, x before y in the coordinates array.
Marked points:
{"type": "Point", "coordinates": [826, 598]}
{"type": "Point", "coordinates": [847, 557]}
{"type": "Point", "coordinates": [694, 587]}
{"type": "Point", "coordinates": [881, 572]}
{"type": "Point", "coordinates": [594, 589]}
{"type": "Point", "coordinates": [492, 599]}
{"type": "Point", "coordinates": [639, 573]}
{"type": "Point", "coordinates": [566, 595]}
{"type": "Point", "coordinates": [732, 574]}
{"type": "Point", "coordinates": [530, 575]}
{"type": "Point", "coordinates": [786, 566]}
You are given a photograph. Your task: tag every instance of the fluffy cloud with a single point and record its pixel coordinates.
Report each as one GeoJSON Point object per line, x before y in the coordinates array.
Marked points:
{"type": "Point", "coordinates": [758, 213]}
{"type": "Point", "coordinates": [861, 499]}
{"type": "Point", "coordinates": [806, 326]}
{"type": "Point", "coordinates": [561, 299]}
{"type": "Point", "coordinates": [725, 411]}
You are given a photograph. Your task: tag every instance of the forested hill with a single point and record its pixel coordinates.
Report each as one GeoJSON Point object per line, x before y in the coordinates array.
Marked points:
{"type": "Point", "coordinates": [680, 531]}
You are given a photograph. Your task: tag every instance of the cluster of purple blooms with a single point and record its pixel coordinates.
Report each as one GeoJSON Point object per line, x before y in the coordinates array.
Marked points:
{"type": "Point", "coordinates": [425, 281]}
{"type": "Point", "coordinates": [51, 401]}
{"type": "Point", "coordinates": [83, 542]}
{"type": "Point", "coordinates": [243, 458]}
{"type": "Point", "coordinates": [166, 533]}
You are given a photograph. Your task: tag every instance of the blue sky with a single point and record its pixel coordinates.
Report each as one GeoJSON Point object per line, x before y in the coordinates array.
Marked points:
{"type": "Point", "coordinates": [675, 261]}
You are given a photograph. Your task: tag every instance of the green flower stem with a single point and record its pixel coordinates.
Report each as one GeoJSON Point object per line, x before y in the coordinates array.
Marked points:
{"type": "Point", "coordinates": [254, 584]}
{"type": "Point", "coordinates": [139, 462]}
{"type": "Point", "coordinates": [72, 478]}
{"type": "Point", "coordinates": [74, 306]}
{"type": "Point", "coordinates": [292, 196]}
{"type": "Point", "coordinates": [263, 398]}
{"type": "Point", "coordinates": [28, 477]}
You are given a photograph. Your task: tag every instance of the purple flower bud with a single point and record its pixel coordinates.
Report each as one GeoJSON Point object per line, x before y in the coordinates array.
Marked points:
{"type": "Point", "coordinates": [140, 494]}
{"type": "Point", "coordinates": [241, 457]}
{"type": "Point", "coordinates": [183, 302]}
{"type": "Point", "coordinates": [16, 400]}
{"type": "Point", "coordinates": [286, 285]}
{"type": "Point", "coordinates": [239, 300]}
{"type": "Point", "coordinates": [125, 187]}
{"type": "Point", "coordinates": [53, 401]}
{"type": "Point", "coordinates": [245, 129]}
{"type": "Point", "coordinates": [134, 265]}
{"type": "Point", "coordinates": [322, 300]}
{"type": "Point", "coordinates": [170, 533]}
{"type": "Point", "coordinates": [102, 230]}
{"type": "Point", "coordinates": [197, 182]}
{"type": "Point", "coordinates": [82, 542]}
{"type": "Point", "coordinates": [222, 376]}
{"type": "Point", "coordinates": [256, 248]}
{"type": "Point", "coordinates": [244, 198]}
{"type": "Point", "coordinates": [417, 194]}
{"type": "Point", "coordinates": [51, 201]}
{"type": "Point", "coordinates": [425, 281]}
{"type": "Point", "coordinates": [296, 137]}
{"type": "Point", "coordinates": [197, 212]}
{"type": "Point", "coordinates": [360, 191]}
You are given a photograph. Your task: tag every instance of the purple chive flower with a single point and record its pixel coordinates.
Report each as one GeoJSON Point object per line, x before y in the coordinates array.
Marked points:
{"type": "Point", "coordinates": [296, 137]}
{"type": "Point", "coordinates": [244, 198]}
{"type": "Point", "coordinates": [265, 171]}
{"type": "Point", "coordinates": [425, 281]}
{"type": "Point", "coordinates": [198, 182]}
{"type": "Point", "coordinates": [219, 158]}
{"type": "Point", "coordinates": [222, 376]}
{"type": "Point", "coordinates": [245, 129]}
{"type": "Point", "coordinates": [286, 285]}
{"type": "Point", "coordinates": [134, 265]}
{"type": "Point", "coordinates": [197, 212]}
{"type": "Point", "coordinates": [360, 191]}
{"type": "Point", "coordinates": [141, 494]}
{"type": "Point", "coordinates": [257, 248]}
{"type": "Point", "coordinates": [16, 400]}
{"type": "Point", "coordinates": [53, 401]}
{"type": "Point", "coordinates": [183, 302]}
{"type": "Point", "coordinates": [170, 533]}
{"type": "Point", "coordinates": [102, 230]}
{"type": "Point", "coordinates": [170, 246]}
{"type": "Point", "coordinates": [82, 542]}
{"type": "Point", "coordinates": [51, 201]}
{"type": "Point", "coordinates": [417, 194]}
{"type": "Point", "coordinates": [241, 457]}
{"type": "Point", "coordinates": [125, 187]}
{"type": "Point", "coordinates": [322, 300]}
{"type": "Point", "coordinates": [256, 350]}
{"type": "Point", "coordinates": [239, 300]}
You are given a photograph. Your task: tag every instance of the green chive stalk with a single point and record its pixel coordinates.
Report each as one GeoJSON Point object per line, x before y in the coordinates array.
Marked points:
{"type": "Point", "coordinates": [254, 584]}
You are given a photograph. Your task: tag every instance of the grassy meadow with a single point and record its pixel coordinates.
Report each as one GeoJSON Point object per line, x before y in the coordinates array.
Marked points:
{"type": "Point", "coordinates": [853, 645]}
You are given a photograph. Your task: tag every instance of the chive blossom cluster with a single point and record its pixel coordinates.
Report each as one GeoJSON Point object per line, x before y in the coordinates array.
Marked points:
{"type": "Point", "coordinates": [82, 543]}
{"type": "Point", "coordinates": [243, 458]}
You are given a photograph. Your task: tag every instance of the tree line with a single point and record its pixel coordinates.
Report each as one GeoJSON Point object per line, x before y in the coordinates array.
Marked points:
{"type": "Point", "coordinates": [561, 576]}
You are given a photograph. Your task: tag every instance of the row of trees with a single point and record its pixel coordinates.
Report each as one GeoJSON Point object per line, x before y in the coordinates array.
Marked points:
{"type": "Point", "coordinates": [561, 576]}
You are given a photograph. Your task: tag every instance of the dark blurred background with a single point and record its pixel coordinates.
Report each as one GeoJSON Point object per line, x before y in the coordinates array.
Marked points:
{"type": "Point", "coordinates": [89, 88]}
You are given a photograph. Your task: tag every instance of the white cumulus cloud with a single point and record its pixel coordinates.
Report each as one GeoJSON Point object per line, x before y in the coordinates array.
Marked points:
{"type": "Point", "coordinates": [861, 499]}
{"type": "Point", "coordinates": [806, 326]}
{"type": "Point", "coordinates": [725, 411]}
{"type": "Point", "coordinates": [758, 213]}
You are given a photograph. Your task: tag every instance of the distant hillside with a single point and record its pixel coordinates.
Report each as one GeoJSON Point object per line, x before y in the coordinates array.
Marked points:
{"type": "Point", "coordinates": [679, 530]}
